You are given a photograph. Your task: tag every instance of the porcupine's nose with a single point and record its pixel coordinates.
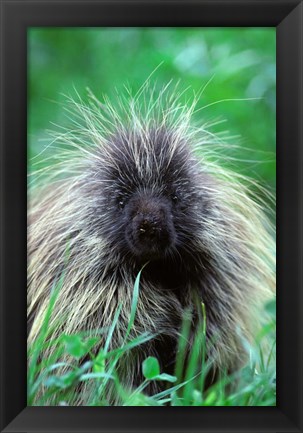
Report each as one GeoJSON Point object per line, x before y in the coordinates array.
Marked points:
{"type": "Point", "coordinates": [149, 228]}
{"type": "Point", "coordinates": [151, 231]}
{"type": "Point", "coordinates": [153, 234]}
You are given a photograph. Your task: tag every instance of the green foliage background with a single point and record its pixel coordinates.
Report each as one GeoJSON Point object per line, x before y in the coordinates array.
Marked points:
{"type": "Point", "coordinates": [240, 62]}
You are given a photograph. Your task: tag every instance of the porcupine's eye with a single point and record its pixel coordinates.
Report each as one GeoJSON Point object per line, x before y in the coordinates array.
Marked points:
{"type": "Point", "coordinates": [121, 202]}
{"type": "Point", "coordinates": [175, 198]}
{"type": "Point", "coordinates": [172, 194]}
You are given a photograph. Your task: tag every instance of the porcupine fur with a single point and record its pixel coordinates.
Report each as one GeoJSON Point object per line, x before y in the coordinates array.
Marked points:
{"type": "Point", "coordinates": [140, 187]}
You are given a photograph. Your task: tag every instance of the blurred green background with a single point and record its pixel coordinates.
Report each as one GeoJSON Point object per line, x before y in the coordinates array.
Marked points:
{"type": "Point", "coordinates": [240, 61]}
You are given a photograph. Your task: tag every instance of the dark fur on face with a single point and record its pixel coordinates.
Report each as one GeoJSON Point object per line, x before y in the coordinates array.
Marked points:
{"type": "Point", "coordinates": [151, 196]}
{"type": "Point", "coordinates": [151, 232]}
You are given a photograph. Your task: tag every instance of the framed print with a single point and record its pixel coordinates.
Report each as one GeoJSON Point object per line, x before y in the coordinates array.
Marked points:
{"type": "Point", "coordinates": [144, 220]}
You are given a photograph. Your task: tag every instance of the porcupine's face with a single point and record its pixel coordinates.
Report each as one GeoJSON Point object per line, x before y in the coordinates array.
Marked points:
{"type": "Point", "coordinates": [150, 195]}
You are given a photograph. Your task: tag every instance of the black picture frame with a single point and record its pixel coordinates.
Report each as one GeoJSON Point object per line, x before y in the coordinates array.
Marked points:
{"type": "Point", "coordinates": [16, 17]}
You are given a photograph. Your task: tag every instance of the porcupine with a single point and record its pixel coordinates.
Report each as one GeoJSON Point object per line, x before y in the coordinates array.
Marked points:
{"type": "Point", "coordinates": [139, 187]}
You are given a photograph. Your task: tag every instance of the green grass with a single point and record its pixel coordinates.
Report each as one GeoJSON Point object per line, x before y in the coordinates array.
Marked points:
{"type": "Point", "coordinates": [253, 385]}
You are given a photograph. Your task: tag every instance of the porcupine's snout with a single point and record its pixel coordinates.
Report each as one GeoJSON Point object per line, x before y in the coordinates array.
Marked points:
{"type": "Point", "coordinates": [150, 232]}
